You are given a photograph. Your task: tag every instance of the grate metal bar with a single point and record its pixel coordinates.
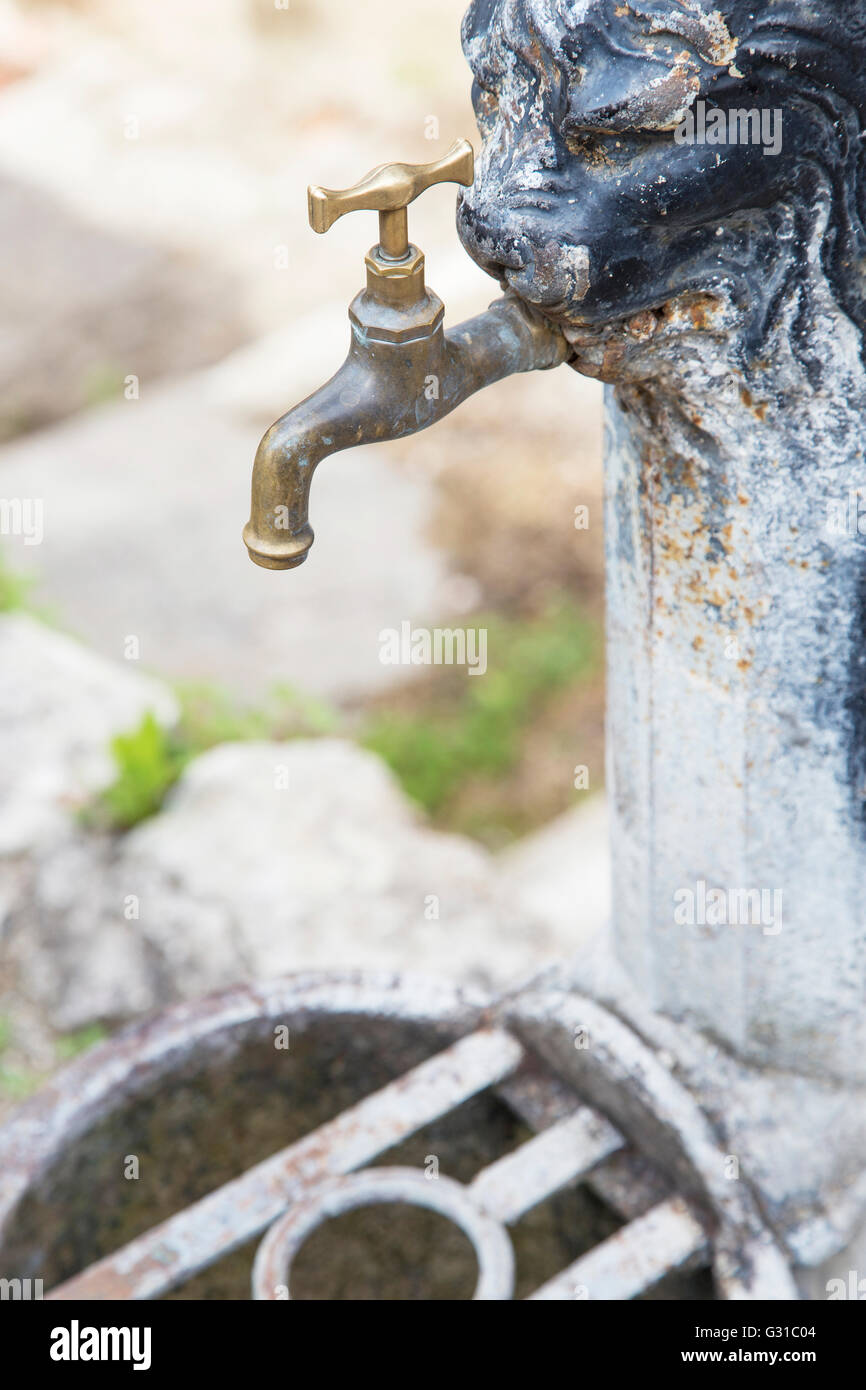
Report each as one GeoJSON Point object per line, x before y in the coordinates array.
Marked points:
{"type": "Point", "coordinates": [626, 1181]}
{"type": "Point", "coordinates": [629, 1184]}
{"type": "Point", "coordinates": [172, 1252]}
{"type": "Point", "coordinates": [633, 1259]}
{"type": "Point", "coordinates": [558, 1156]}
{"type": "Point", "coordinates": [538, 1095]}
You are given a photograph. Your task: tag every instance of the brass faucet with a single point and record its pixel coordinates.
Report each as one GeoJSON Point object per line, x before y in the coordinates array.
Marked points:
{"type": "Point", "coordinates": [403, 371]}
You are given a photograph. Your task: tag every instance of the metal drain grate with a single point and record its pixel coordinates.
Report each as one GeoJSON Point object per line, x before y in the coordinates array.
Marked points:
{"type": "Point", "coordinates": [309, 1178]}
{"type": "Point", "coordinates": [202, 1094]}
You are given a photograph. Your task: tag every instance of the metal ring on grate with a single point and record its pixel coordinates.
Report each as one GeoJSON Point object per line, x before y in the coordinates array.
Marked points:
{"type": "Point", "coordinates": [272, 1268]}
{"type": "Point", "coordinates": [677, 1213]}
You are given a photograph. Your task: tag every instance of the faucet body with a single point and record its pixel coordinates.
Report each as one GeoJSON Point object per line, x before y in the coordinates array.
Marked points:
{"type": "Point", "coordinates": [403, 370]}
{"type": "Point", "coordinates": [402, 373]}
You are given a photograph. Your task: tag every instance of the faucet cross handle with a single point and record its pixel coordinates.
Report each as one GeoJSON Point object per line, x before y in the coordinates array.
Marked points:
{"type": "Point", "coordinates": [389, 190]}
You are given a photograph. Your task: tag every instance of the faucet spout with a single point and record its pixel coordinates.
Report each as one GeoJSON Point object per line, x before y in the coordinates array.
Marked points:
{"type": "Point", "coordinates": [402, 373]}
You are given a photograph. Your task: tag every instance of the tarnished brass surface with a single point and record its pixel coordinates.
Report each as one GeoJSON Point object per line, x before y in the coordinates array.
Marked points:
{"type": "Point", "coordinates": [388, 190]}
{"type": "Point", "coordinates": [403, 371]}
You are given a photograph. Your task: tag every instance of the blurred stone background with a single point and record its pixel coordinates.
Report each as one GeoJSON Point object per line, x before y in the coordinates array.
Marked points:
{"type": "Point", "coordinates": [153, 168]}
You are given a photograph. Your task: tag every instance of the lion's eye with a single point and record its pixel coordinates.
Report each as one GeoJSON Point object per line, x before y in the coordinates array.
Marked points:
{"type": "Point", "coordinates": [588, 144]}
{"type": "Point", "coordinates": [485, 103]}
{"type": "Point", "coordinates": [593, 146]}
{"type": "Point", "coordinates": [606, 148]}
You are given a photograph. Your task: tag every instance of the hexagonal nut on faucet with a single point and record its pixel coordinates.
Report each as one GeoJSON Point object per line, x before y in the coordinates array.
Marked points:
{"type": "Point", "coordinates": [395, 307]}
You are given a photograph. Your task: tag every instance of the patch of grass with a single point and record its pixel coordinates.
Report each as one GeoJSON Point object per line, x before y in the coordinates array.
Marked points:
{"type": "Point", "coordinates": [211, 715]}
{"type": "Point", "coordinates": [14, 589]}
{"type": "Point", "coordinates": [82, 1040]}
{"type": "Point", "coordinates": [475, 730]}
{"type": "Point", "coordinates": [149, 759]}
{"type": "Point", "coordinates": [16, 1083]}
{"type": "Point", "coordinates": [488, 755]}
{"type": "Point", "coordinates": [102, 383]}
{"type": "Point", "coordinates": [19, 1082]}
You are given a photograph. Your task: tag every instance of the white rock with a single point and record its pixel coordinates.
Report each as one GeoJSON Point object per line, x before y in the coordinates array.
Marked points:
{"type": "Point", "coordinates": [271, 858]}
{"type": "Point", "coordinates": [316, 860]}
{"type": "Point", "coordinates": [59, 706]}
{"type": "Point", "coordinates": [562, 872]}
{"type": "Point", "coordinates": [73, 952]}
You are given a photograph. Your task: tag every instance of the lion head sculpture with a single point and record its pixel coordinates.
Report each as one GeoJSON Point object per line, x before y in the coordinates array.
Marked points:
{"type": "Point", "coordinates": [638, 150]}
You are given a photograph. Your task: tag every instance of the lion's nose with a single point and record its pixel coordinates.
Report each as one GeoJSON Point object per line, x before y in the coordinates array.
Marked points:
{"type": "Point", "coordinates": [557, 275]}
{"type": "Point", "coordinates": [492, 238]}
{"type": "Point", "coordinates": [516, 247]}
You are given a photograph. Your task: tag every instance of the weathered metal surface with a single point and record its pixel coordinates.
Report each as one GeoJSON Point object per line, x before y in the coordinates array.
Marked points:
{"type": "Point", "coordinates": [813, 1196]}
{"type": "Point", "coordinates": [626, 1181]}
{"type": "Point", "coordinates": [565, 1151]}
{"type": "Point", "coordinates": [403, 373]}
{"type": "Point", "coordinates": [199, 1094]}
{"type": "Point", "coordinates": [619, 1073]}
{"type": "Point", "coordinates": [219, 1223]}
{"type": "Point", "coordinates": [518, 1181]}
{"type": "Point", "coordinates": [388, 190]}
{"type": "Point", "coordinates": [720, 289]}
{"type": "Point", "coordinates": [631, 1261]}
{"type": "Point", "coordinates": [501, 1193]}
{"type": "Point", "coordinates": [493, 1250]}
{"type": "Point", "coordinates": [544, 1079]}
{"type": "Point", "coordinates": [578, 106]}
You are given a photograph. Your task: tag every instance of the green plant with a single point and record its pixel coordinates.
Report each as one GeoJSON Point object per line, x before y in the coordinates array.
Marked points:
{"type": "Point", "coordinates": [102, 383]}
{"type": "Point", "coordinates": [73, 1044]}
{"type": "Point", "coordinates": [211, 715]}
{"type": "Point", "coordinates": [13, 589]}
{"type": "Point", "coordinates": [147, 763]}
{"type": "Point", "coordinates": [465, 730]}
{"type": "Point", "coordinates": [477, 730]}
{"type": "Point", "coordinates": [15, 1083]}
{"type": "Point", "coordinates": [149, 759]}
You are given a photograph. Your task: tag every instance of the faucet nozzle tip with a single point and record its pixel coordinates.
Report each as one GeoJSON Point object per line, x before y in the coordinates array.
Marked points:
{"type": "Point", "coordinates": [274, 562]}
{"type": "Point", "coordinates": [286, 553]}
